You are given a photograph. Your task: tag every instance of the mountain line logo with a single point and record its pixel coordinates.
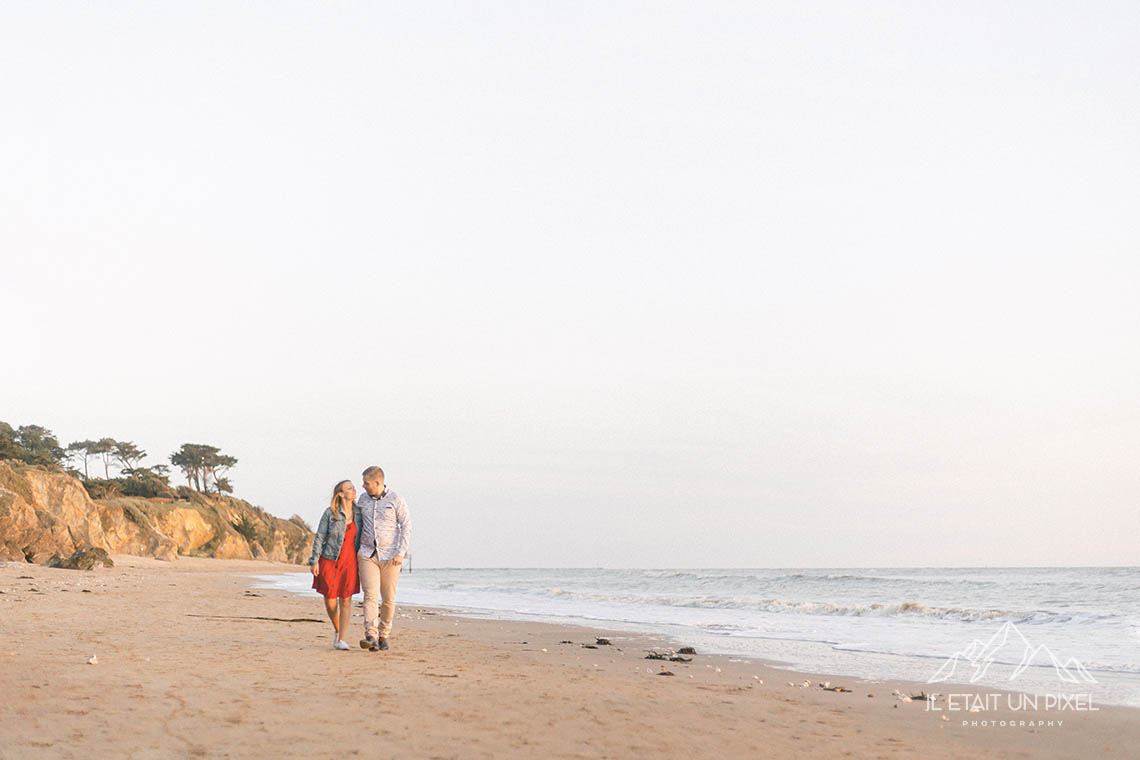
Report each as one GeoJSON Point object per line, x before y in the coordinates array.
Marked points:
{"type": "Point", "coordinates": [1009, 645]}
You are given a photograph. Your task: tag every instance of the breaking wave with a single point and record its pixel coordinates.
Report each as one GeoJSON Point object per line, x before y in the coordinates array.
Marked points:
{"type": "Point", "coordinates": [782, 606]}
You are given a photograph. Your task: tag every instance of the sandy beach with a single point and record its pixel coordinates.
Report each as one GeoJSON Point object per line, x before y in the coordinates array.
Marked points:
{"type": "Point", "coordinates": [194, 662]}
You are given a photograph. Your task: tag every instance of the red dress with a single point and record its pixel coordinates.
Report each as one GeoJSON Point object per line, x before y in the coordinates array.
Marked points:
{"type": "Point", "coordinates": [337, 578]}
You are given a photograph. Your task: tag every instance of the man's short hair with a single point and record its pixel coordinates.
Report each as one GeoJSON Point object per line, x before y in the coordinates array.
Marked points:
{"type": "Point", "coordinates": [373, 473]}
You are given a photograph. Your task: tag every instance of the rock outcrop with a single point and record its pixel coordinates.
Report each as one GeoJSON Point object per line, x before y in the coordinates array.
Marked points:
{"type": "Point", "coordinates": [128, 530]}
{"type": "Point", "coordinates": [44, 513]}
{"type": "Point", "coordinates": [187, 527]}
{"type": "Point", "coordinates": [83, 559]}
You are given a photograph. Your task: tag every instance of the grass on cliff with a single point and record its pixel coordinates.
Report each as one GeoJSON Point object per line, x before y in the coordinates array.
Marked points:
{"type": "Point", "coordinates": [11, 479]}
{"type": "Point", "coordinates": [132, 510]}
{"type": "Point", "coordinates": [226, 515]}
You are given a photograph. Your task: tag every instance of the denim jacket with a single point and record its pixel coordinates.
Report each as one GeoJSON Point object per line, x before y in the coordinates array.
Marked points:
{"type": "Point", "coordinates": [330, 535]}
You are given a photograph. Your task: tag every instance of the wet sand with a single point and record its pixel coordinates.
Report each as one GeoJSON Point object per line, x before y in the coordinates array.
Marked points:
{"type": "Point", "coordinates": [194, 662]}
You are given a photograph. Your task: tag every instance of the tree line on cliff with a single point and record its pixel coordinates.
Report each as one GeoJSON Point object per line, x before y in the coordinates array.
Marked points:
{"type": "Point", "coordinates": [205, 467]}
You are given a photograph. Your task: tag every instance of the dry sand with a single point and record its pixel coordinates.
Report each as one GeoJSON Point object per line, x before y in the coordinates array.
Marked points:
{"type": "Point", "coordinates": [192, 662]}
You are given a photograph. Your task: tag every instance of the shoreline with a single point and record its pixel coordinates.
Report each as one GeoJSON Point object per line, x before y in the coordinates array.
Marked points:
{"type": "Point", "coordinates": [193, 661]}
{"type": "Point", "coordinates": [670, 643]}
{"type": "Point", "coordinates": [666, 633]}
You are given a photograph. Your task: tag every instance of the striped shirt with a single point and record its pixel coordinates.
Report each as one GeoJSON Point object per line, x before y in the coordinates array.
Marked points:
{"type": "Point", "coordinates": [384, 525]}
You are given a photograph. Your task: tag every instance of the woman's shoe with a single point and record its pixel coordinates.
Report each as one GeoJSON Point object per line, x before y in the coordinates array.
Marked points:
{"type": "Point", "coordinates": [341, 645]}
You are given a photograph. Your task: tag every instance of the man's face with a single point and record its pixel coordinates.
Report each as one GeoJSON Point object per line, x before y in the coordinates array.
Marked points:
{"type": "Point", "coordinates": [374, 487]}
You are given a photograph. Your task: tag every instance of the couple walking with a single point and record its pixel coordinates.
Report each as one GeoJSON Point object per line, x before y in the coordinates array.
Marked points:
{"type": "Point", "coordinates": [361, 543]}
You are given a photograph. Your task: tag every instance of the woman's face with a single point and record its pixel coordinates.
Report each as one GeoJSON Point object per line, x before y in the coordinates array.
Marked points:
{"type": "Point", "coordinates": [348, 493]}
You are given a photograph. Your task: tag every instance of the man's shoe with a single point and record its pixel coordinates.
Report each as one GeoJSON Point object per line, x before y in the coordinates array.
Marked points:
{"type": "Point", "coordinates": [369, 643]}
{"type": "Point", "coordinates": [382, 643]}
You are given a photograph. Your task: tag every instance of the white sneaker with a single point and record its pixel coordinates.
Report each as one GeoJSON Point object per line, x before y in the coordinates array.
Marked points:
{"type": "Point", "coordinates": [341, 645]}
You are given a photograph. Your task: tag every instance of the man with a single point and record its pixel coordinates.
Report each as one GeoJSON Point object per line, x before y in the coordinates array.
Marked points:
{"type": "Point", "coordinates": [384, 532]}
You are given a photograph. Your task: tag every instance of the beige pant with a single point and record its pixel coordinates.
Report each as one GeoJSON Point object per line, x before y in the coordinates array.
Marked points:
{"type": "Point", "coordinates": [378, 578]}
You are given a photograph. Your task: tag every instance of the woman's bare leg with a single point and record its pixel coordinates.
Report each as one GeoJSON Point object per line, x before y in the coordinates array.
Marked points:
{"type": "Point", "coordinates": [345, 615]}
{"type": "Point", "coordinates": [330, 608]}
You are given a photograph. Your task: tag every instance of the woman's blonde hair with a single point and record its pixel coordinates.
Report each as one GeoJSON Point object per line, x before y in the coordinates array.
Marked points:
{"type": "Point", "coordinates": [334, 505]}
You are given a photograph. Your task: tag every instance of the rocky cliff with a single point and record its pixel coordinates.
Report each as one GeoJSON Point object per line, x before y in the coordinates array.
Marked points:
{"type": "Point", "coordinates": [44, 513]}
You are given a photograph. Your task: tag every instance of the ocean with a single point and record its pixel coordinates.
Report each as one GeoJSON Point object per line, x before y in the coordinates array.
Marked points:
{"type": "Point", "coordinates": [1038, 630]}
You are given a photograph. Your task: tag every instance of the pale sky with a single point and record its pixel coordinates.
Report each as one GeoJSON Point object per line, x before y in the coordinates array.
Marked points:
{"type": "Point", "coordinates": [620, 284]}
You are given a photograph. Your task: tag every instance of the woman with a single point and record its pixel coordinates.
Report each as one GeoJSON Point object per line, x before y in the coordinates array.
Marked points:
{"type": "Point", "coordinates": [334, 559]}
